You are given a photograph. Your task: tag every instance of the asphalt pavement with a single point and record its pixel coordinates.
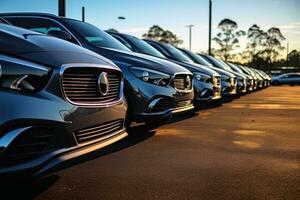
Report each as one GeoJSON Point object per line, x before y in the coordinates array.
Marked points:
{"type": "Point", "coordinates": [245, 149]}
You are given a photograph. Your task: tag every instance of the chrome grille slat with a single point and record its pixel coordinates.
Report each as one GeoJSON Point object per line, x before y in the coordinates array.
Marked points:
{"type": "Point", "coordinates": [180, 83]}
{"type": "Point", "coordinates": [98, 132]}
{"type": "Point", "coordinates": [80, 85]}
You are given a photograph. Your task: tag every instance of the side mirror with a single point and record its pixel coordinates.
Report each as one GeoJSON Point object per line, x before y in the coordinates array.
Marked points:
{"type": "Point", "coordinates": [60, 34]}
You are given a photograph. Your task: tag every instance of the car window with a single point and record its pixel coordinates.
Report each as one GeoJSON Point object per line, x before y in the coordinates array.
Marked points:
{"type": "Point", "coordinates": [123, 41]}
{"type": "Point", "coordinates": [160, 49]}
{"type": "Point", "coordinates": [176, 53]}
{"type": "Point", "coordinates": [144, 47]}
{"type": "Point", "coordinates": [95, 36]}
{"type": "Point", "coordinates": [293, 76]}
{"type": "Point", "coordinates": [39, 25]}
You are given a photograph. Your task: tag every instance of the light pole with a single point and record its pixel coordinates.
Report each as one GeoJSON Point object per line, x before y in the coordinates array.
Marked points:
{"type": "Point", "coordinates": [62, 8]}
{"type": "Point", "coordinates": [83, 13]}
{"type": "Point", "coordinates": [190, 35]}
{"type": "Point", "coordinates": [209, 27]}
{"type": "Point", "coordinates": [287, 54]}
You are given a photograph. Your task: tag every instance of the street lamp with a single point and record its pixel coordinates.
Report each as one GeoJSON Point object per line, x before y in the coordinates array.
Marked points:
{"type": "Point", "coordinates": [190, 35]}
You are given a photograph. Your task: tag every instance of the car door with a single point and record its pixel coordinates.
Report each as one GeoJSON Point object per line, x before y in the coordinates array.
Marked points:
{"type": "Point", "coordinates": [294, 79]}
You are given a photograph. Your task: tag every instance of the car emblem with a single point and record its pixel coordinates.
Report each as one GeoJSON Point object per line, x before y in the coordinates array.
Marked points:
{"type": "Point", "coordinates": [188, 82]}
{"type": "Point", "coordinates": [103, 83]}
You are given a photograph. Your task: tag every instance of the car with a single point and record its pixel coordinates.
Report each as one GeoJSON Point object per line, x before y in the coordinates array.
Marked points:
{"type": "Point", "coordinates": [228, 79]}
{"type": "Point", "coordinates": [250, 79]}
{"type": "Point", "coordinates": [207, 83]}
{"type": "Point", "coordinates": [287, 78]}
{"type": "Point", "coordinates": [154, 89]}
{"type": "Point", "coordinates": [241, 79]}
{"type": "Point", "coordinates": [204, 88]}
{"type": "Point", "coordinates": [58, 102]}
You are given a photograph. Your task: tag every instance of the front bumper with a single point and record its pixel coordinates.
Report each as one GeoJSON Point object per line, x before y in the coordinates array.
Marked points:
{"type": "Point", "coordinates": [149, 102]}
{"type": "Point", "coordinates": [205, 92]}
{"type": "Point", "coordinates": [228, 90]}
{"type": "Point", "coordinates": [38, 132]}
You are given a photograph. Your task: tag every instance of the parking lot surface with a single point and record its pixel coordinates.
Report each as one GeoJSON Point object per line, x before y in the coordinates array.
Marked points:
{"type": "Point", "coordinates": [245, 149]}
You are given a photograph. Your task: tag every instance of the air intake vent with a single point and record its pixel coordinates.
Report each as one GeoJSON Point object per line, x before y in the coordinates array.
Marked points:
{"type": "Point", "coordinates": [99, 132]}
{"type": "Point", "coordinates": [91, 85]}
{"type": "Point", "coordinates": [183, 82]}
{"type": "Point", "coordinates": [29, 145]}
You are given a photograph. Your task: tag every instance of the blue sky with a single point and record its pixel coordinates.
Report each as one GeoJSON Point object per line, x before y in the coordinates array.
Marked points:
{"type": "Point", "coordinates": [175, 15]}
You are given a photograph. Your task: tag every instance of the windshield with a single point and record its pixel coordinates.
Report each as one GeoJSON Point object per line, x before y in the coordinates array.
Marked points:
{"type": "Point", "coordinates": [144, 47]}
{"type": "Point", "coordinates": [176, 53]}
{"type": "Point", "coordinates": [96, 36]}
{"type": "Point", "coordinates": [236, 68]}
{"type": "Point", "coordinates": [199, 59]}
{"type": "Point", "coordinates": [220, 64]}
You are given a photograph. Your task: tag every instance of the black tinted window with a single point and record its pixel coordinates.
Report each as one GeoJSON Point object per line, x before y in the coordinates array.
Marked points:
{"type": "Point", "coordinates": [95, 36]}
{"type": "Point", "coordinates": [39, 25]}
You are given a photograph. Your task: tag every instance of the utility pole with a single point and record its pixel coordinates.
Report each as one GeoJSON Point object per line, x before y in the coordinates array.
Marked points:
{"type": "Point", "coordinates": [287, 54]}
{"type": "Point", "coordinates": [83, 13]}
{"type": "Point", "coordinates": [62, 8]}
{"type": "Point", "coordinates": [209, 27]}
{"type": "Point", "coordinates": [190, 36]}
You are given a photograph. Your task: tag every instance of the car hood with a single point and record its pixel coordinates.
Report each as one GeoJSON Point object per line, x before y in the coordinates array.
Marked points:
{"type": "Point", "coordinates": [44, 49]}
{"type": "Point", "coordinates": [222, 71]}
{"type": "Point", "coordinates": [198, 68]}
{"type": "Point", "coordinates": [140, 60]}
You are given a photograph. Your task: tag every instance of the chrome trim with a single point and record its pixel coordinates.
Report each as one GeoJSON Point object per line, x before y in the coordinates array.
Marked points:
{"type": "Point", "coordinates": [104, 76]}
{"type": "Point", "coordinates": [42, 17]}
{"type": "Point", "coordinates": [183, 91]}
{"type": "Point", "coordinates": [71, 65]}
{"type": "Point", "coordinates": [53, 158]}
{"type": "Point", "coordinates": [203, 93]}
{"type": "Point", "coordinates": [153, 103]}
{"type": "Point", "coordinates": [182, 109]}
{"type": "Point", "coordinates": [15, 84]}
{"type": "Point", "coordinates": [9, 137]}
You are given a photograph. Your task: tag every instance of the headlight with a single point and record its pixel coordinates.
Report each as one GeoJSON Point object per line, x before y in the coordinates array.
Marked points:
{"type": "Point", "coordinates": [151, 76]}
{"type": "Point", "coordinates": [202, 77]}
{"type": "Point", "coordinates": [20, 75]}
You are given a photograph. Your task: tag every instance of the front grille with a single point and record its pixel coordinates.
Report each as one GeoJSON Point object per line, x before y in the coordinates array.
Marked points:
{"type": "Point", "coordinates": [216, 81]}
{"type": "Point", "coordinates": [183, 82]}
{"type": "Point", "coordinates": [28, 146]}
{"type": "Point", "coordinates": [98, 132]}
{"type": "Point", "coordinates": [80, 85]}
{"type": "Point", "coordinates": [233, 81]}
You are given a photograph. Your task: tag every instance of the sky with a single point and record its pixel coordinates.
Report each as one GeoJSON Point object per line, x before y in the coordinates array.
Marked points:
{"type": "Point", "coordinates": [175, 15]}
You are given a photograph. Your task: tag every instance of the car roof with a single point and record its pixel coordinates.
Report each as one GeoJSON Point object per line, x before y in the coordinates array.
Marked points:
{"type": "Point", "coordinates": [28, 14]}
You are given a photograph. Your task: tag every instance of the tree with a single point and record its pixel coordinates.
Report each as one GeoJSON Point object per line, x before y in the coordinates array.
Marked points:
{"type": "Point", "coordinates": [254, 35]}
{"type": "Point", "coordinates": [159, 34]}
{"type": "Point", "coordinates": [271, 44]}
{"type": "Point", "coordinates": [113, 30]}
{"type": "Point", "coordinates": [228, 38]}
{"type": "Point", "coordinates": [294, 58]}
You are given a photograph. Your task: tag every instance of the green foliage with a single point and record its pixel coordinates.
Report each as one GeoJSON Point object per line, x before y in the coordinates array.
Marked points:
{"type": "Point", "coordinates": [159, 34]}
{"type": "Point", "coordinates": [113, 30]}
{"type": "Point", "coordinates": [294, 59]}
{"type": "Point", "coordinates": [228, 38]}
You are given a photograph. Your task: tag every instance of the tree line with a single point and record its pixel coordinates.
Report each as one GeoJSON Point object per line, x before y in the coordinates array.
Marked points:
{"type": "Point", "coordinates": [264, 49]}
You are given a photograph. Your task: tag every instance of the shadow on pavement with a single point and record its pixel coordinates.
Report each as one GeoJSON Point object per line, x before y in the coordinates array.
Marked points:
{"type": "Point", "coordinates": [26, 187]}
